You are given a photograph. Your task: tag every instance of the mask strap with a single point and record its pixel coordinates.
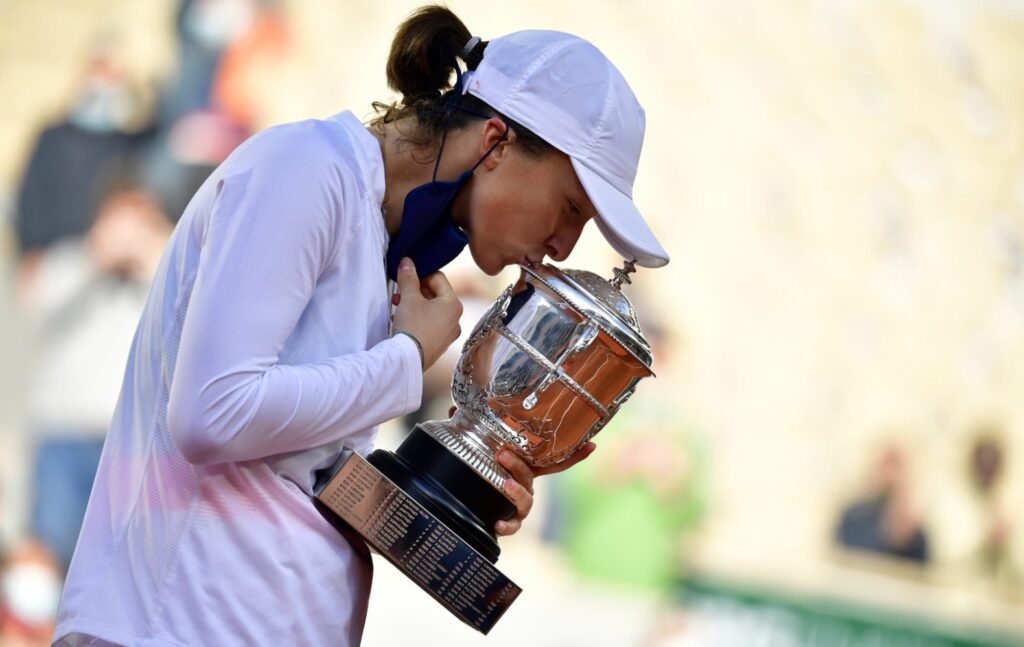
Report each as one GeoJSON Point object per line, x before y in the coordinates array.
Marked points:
{"type": "Point", "coordinates": [444, 135]}
{"type": "Point", "coordinates": [448, 112]}
{"type": "Point", "coordinates": [437, 161]}
{"type": "Point", "coordinates": [493, 146]}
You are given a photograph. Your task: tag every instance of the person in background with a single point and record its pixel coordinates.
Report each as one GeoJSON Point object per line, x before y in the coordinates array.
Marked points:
{"type": "Point", "coordinates": [630, 517]}
{"type": "Point", "coordinates": [885, 521]}
{"type": "Point", "coordinates": [211, 103]}
{"type": "Point", "coordinates": [85, 303]}
{"type": "Point", "coordinates": [105, 130]}
{"type": "Point", "coordinates": [30, 581]}
{"type": "Point", "coordinates": [977, 519]}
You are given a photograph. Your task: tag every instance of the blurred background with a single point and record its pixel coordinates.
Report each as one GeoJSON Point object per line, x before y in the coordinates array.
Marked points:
{"type": "Point", "coordinates": [833, 451]}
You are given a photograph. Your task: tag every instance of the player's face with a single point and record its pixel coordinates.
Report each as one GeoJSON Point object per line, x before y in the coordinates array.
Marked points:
{"type": "Point", "coordinates": [521, 207]}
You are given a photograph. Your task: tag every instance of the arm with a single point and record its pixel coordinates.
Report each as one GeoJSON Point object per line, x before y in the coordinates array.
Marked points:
{"type": "Point", "coordinates": [270, 236]}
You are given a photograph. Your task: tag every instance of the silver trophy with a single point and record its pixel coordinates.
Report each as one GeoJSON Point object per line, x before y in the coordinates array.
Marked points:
{"type": "Point", "coordinates": [544, 370]}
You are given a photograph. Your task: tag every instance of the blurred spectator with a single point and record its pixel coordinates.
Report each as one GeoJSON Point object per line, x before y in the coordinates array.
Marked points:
{"type": "Point", "coordinates": [30, 584]}
{"type": "Point", "coordinates": [241, 75]}
{"type": "Point", "coordinates": [204, 29]}
{"type": "Point", "coordinates": [89, 248]}
{"type": "Point", "coordinates": [85, 303]}
{"type": "Point", "coordinates": [100, 135]}
{"type": "Point", "coordinates": [885, 521]}
{"type": "Point", "coordinates": [630, 508]}
{"type": "Point", "coordinates": [977, 533]}
{"type": "Point", "coordinates": [211, 105]}
{"type": "Point", "coordinates": [626, 515]}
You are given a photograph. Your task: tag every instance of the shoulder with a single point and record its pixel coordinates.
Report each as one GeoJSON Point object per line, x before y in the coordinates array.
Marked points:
{"type": "Point", "coordinates": [298, 147]}
{"type": "Point", "coordinates": [315, 170]}
{"type": "Point", "coordinates": [312, 146]}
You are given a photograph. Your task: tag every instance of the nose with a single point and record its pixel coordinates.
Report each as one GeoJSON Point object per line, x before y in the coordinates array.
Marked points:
{"type": "Point", "coordinates": [561, 243]}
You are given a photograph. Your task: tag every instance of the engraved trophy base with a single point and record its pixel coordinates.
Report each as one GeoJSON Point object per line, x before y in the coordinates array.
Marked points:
{"type": "Point", "coordinates": [443, 483]}
{"type": "Point", "coordinates": [417, 521]}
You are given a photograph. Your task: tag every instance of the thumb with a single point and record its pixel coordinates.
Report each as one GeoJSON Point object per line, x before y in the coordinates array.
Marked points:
{"type": "Point", "coordinates": [408, 281]}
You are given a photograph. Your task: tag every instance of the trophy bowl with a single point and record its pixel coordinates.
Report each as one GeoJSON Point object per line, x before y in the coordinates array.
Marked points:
{"type": "Point", "coordinates": [543, 371]}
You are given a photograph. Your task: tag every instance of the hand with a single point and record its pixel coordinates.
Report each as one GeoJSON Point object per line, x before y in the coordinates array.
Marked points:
{"type": "Point", "coordinates": [427, 310]}
{"type": "Point", "coordinates": [519, 488]}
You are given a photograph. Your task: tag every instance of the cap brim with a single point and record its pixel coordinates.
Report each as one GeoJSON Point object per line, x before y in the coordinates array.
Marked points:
{"type": "Point", "coordinates": [620, 221]}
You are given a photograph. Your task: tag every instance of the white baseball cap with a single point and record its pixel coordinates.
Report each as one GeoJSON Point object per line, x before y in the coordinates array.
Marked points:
{"type": "Point", "coordinates": [570, 95]}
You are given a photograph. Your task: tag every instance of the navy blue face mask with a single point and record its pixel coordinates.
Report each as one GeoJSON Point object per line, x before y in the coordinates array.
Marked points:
{"type": "Point", "coordinates": [428, 234]}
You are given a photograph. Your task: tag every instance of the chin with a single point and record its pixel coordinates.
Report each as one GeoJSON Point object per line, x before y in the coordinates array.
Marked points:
{"type": "Point", "coordinates": [488, 264]}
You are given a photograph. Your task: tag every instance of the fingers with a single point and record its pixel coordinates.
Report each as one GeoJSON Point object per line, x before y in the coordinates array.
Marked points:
{"type": "Point", "coordinates": [407, 278]}
{"type": "Point", "coordinates": [519, 490]}
{"type": "Point", "coordinates": [428, 310]}
{"type": "Point", "coordinates": [581, 454]}
{"type": "Point", "coordinates": [575, 457]}
{"type": "Point", "coordinates": [518, 468]}
{"type": "Point", "coordinates": [506, 528]}
{"type": "Point", "coordinates": [523, 501]}
{"type": "Point", "coordinates": [438, 284]}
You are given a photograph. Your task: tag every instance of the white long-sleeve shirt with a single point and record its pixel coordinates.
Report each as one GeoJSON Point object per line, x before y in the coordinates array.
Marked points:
{"type": "Point", "coordinates": [262, 350]}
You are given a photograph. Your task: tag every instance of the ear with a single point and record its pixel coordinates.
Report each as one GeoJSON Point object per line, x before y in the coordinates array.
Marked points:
{"type": "Point", "coordinates": [491, 136]}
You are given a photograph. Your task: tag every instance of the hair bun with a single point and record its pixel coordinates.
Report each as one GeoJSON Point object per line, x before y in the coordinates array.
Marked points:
{"type": "Point", "coordinates": [424, 50]}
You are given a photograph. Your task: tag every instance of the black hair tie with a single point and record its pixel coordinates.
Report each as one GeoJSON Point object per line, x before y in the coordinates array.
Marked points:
{"type": "Point", "coordinates": [473, 52]}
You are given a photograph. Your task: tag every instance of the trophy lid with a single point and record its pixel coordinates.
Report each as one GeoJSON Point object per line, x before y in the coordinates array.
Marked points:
{"type": "Point", "coordinates": [600, 301]}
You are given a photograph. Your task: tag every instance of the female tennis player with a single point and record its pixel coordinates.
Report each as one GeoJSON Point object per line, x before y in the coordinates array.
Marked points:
{"type": "Point", "coordinates": [268, 346]}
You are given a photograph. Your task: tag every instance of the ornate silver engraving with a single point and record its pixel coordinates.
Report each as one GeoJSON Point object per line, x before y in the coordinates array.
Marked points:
{"type": "Point", "coordinates": [544, 370]}
{"type": "Point", "coordinates": [554, 372]}
{"type": "Point", "coordinates": [471, 453]}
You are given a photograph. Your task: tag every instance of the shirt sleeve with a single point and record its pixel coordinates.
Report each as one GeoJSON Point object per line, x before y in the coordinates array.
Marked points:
{"type": "Point", "coordinates": [269, 236]}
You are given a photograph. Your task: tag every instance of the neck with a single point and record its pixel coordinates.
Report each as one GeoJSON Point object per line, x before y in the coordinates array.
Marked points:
{"type": "Point", "coordinates": [407, 166]}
